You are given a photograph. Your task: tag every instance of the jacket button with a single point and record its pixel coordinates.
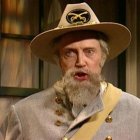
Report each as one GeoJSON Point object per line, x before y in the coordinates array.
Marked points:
{"type": "Point", "coordinates": [59, 112]}
{"type": "Point", "coordinates": [65, 138]}
{"type": "Point", "coordinates": [58, 123]}
{"type": "Point", "coordinates": [109, 119]}
{"type": "Point", "coordinates": [108, 138]}
{"type": "Point", "coordinates": [58, 100]}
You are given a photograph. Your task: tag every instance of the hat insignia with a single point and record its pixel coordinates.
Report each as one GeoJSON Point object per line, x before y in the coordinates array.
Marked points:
{"type": "Point", "coordinates": [78, 16]}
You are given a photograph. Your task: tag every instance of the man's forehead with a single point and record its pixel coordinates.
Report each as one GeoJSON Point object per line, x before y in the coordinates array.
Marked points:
{"type": "Point", "coordinates": [79, 35]}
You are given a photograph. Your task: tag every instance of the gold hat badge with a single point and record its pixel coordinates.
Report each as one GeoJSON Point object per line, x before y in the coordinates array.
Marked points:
{"type": "Point", "coordinates": [78, 16]}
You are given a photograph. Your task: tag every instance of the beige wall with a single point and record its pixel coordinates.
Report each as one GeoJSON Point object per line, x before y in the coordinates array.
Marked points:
{"type": "Point", "coordinates": [133, 52]}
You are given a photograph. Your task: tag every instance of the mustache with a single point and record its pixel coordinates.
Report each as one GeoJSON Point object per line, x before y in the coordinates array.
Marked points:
{"type": "Point", "coordinates": [93, 78]}
{"type": "Point", "coordinates": [74, 71]}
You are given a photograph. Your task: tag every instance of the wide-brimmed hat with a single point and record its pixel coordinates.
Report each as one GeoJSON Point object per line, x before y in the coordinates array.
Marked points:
{"type": "Point", "coordinates": [81, 17]}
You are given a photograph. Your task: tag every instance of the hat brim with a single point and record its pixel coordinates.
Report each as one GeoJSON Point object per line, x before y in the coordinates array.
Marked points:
{"type": "Point", "coordinates": [119, 39]}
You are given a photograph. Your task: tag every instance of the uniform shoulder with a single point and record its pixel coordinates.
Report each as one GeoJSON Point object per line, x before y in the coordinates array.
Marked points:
{"type": "Point", "coordinates": [130, 100]}
{"type": "Point", "coordinates": [37, 99]}
{"type": "Point", "coordinates": [130, 97]}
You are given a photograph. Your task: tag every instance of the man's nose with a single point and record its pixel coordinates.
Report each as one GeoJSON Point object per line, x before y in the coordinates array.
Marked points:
{"type": "Point", "coordinates": [80, 62]}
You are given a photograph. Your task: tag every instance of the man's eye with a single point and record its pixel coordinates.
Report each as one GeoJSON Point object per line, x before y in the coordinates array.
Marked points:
{"type": "Point", "coordinates": [69, 53]}
{"type": "Point", "coordinates": [89, 51]}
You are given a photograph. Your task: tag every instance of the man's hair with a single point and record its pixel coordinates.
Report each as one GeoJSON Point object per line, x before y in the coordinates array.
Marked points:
{"type": "Point", "coordinates": [105, 50]}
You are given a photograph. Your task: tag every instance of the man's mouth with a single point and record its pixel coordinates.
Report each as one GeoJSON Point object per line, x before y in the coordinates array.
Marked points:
{"type": "Point", "coordinates": [80, 76]}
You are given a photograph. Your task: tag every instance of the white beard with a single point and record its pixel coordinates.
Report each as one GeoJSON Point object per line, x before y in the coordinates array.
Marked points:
{"type": "Point", "coordinates": [80, 93]}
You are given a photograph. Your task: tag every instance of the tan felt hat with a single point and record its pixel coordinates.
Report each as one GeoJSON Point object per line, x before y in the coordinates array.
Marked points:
{"type": "Point", "coordinates": [81, 17]}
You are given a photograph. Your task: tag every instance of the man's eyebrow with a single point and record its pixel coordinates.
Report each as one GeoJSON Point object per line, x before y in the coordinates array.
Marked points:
{"type": "Point", "coordinates": [90, 47]}
{"type": "Point", "coordinates": [69, 48]}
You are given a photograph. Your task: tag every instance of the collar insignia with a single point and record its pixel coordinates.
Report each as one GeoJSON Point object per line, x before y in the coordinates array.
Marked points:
{"type": "Point", "coordinates": [78, 16]}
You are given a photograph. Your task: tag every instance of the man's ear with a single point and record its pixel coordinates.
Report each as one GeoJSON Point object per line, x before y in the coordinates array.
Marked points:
{"type": "Point", "coordinates": [56, 59]}
{"type": "Point", "coordinates": [60, 65]}
{"type": "Point", "coordinates": [103, 61]}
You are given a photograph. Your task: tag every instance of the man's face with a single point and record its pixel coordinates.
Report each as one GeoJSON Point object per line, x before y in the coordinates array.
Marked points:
{"type": "Point", "coordinates": [80, 57]}
{"type": "Point", "coordinates": [80, 50]}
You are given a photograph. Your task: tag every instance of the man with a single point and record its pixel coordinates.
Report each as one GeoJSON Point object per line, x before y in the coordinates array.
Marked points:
{"type": "Point", "coordinates": [81, 106]}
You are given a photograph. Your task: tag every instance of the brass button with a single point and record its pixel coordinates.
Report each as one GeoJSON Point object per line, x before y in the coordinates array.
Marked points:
{"type": "Point", "coordinates": [65, 138]}
{"type": "Point", "coordinates": [109, 119]}
{"type": "Point", "coordinates": [59, 112]}
{"type": "Point", "coordinates": [58, 123]}
{"type": "Point", "coordinates": [108, 138]}
{"type": "Point", "coordinates": [58, 100]}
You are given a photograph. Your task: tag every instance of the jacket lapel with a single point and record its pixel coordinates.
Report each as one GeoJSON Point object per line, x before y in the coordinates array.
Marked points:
{"type": "Point", "coordinates": [90, 110]}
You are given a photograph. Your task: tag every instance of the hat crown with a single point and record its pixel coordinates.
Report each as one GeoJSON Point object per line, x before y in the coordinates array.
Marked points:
{"type": "Point", "coordinates": [77, 14]}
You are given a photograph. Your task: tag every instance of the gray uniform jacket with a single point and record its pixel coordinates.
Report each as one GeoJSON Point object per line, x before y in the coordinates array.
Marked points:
{"type": "Point", "coordinates": [43, 116]}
